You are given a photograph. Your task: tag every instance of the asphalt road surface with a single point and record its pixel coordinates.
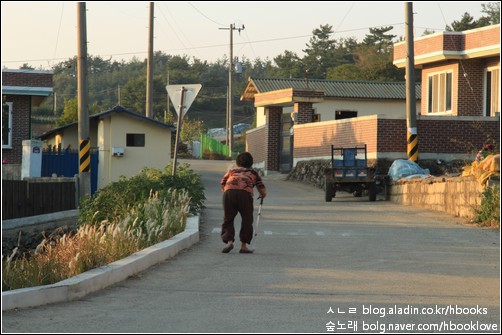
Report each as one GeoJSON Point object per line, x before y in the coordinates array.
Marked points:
{"type": "Point", "coordinates": [345, 266]}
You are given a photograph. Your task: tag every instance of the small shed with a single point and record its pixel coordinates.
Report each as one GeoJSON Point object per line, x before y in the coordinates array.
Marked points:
{"type": "Point", "coordinates": [126, 142]}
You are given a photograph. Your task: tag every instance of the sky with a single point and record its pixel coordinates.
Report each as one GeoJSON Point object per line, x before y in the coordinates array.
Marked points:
{"type": "Point", "coordinates": [43, 34]}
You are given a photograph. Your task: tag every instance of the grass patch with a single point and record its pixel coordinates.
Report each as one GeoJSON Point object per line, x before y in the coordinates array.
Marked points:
{"type": "Point", "coordinates": [119, 220]}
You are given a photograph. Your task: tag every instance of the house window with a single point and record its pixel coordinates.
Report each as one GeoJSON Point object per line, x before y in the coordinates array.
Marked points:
{"type": "Point", "coordinates": [135, 140]}
{"type": "Point", "coordinates": [439, 94]}
{"type": "Point", "coordinates": [492, 94]}
{"type": "Point", "coordinates": [7, 125]}
{"type": "Point", "coordinates": [345, 114]}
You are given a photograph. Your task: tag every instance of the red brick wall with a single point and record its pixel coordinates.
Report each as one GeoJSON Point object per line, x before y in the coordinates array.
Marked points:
{"type": "Point", "coordinates": [482, 38]}
{"type": "Point", "coordinates": [256, 144]}
{"type": "Point", "coordinates": [21, 112]}
{"type": "Point", "coordinates": [463, 42]}
{"type": "Point", "coordinates": [471, 88]}
{"type": "Point", "coordinates": [263, 143]}
{"type": "Point", "coordinates": [438, 136]}
{"type": "Point", "coordinates": [315, 139]}
{"type": "Point", "coordinates": [304, 111]}
{"type": "Point", "coordinates": [19, 78]}
{"type": "Point", "coordinates": [307, 93]}
{"type": "Point", "coordinates": [273, 135]}
{"type": "Point", "coordinates": [392, 135]}
{"type": "Point", "coordinates": [458, 137]}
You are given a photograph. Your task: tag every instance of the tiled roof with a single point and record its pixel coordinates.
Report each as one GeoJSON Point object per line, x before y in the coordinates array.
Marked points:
{"type": "Point", "coordinates": [116, 110]}
{"type": "Point", "coordinates": [338, 88]}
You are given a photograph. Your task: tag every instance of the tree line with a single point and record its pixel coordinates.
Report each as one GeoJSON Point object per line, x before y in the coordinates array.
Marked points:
{"type": "Point", "coordinates": [112, 83]}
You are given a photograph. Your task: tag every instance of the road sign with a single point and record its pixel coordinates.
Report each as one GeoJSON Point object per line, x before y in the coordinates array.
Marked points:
{"type": "Point", "coordinates": [191, 92]}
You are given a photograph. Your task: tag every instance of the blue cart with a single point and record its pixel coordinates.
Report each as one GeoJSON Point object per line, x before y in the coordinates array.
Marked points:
{"type": "Point", "coordinates": [349, 172]}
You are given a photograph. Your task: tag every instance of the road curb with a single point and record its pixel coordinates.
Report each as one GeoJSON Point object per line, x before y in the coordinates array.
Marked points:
{"type": "Point", "coordinates": [96, 279]}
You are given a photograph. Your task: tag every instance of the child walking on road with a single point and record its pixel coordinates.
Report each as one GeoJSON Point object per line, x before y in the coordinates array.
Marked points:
{"type": "Point", "coordinates": [237, 186]}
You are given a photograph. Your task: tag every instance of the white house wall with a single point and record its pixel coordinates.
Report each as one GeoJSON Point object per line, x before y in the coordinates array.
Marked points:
{"type": "Point", "coordinates": [112, 133]}
{"type": "Point", "coordinates": [327, 109]}
{"type": "Point", "coordinates": [389, 108]}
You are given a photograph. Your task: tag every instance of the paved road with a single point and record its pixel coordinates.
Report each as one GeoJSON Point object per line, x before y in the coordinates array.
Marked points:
{"type": "Point", "coordinates": [349, 263]}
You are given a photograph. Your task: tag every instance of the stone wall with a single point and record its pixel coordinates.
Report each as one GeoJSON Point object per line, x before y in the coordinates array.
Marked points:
{"type": "Point", "coordinates": [458, 196]}
{"type": "Point", "coordinates": [28, 232]}
{"type": "Point", "coordinates": [455, 195]}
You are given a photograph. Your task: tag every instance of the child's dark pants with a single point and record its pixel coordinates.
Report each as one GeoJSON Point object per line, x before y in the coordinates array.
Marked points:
{"type": "Point", "coordinates": [237, 201]}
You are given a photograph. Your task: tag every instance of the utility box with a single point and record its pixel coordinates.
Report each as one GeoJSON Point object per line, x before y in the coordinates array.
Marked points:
{"type": "Point", "coordinates": [118, 152]}
{"type": "Point", "coordinates": [32, 159]}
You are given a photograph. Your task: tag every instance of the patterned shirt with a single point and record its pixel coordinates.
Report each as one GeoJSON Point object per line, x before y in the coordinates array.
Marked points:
{"type": "Point", "coordinates": [243, 179]}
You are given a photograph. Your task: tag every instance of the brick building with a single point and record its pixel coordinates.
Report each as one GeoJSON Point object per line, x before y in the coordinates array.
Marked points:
{"type": "Point", "coordinates": [460, 71]}
{"type": "Point", "coordinates": [21, 90]}
{"type": "Point", "coordinates": [458, 107]}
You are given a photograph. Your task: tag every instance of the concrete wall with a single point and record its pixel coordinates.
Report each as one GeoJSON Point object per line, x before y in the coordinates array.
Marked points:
{"type": "Point", "coordinates": [27, 231]}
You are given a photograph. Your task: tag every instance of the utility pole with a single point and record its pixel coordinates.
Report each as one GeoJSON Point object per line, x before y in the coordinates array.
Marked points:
{"type": "Point", "coordinates": [230, 128]}
{"type": "Point", "coordinates": [55, 103]}
{"type": "Point", "coordinates": [149, 68]}
{"type": "Point", "coordinates": [167, 111]}
{"type": "Point", "coordinates": [227, 133]}
{"type": "Point", "coordinates": [411, 105]}
{"type": "Point", "coordinates": [83, 112]}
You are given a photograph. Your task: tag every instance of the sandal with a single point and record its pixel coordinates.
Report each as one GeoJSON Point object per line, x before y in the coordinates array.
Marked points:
{"type": "Point", "coordinates": [227, 249]}
{"type": "Point", "coordinates": [245, 251]}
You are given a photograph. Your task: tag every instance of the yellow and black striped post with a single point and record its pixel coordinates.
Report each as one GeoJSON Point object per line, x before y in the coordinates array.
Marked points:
{"type": "Point", "coordinates": [85, 156]}
{"type": "Point", "coordinates": [411, 108]}
{"type": "Point", "coordinates": [412, 140]}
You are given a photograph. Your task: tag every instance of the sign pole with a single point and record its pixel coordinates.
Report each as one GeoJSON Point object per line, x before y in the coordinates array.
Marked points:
{"type": "Point", "coordinates": [178, 128]}
{"type": "Point", "coordinates": [182, 97]}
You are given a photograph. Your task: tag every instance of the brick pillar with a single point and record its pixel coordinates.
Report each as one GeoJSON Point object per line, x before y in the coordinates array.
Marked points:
{"type": "Point", "coordinates": [273, 137]}
{"type": "Point", "coordinates": [304, 111]}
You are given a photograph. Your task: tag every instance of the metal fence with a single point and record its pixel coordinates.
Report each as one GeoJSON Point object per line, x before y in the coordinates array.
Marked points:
{"type": "Point", "coordinates": [65, 163]}
{"type": "Point", "coordinates": [209, 145]}
{"type": "Point", "coordinates": [22, 198]}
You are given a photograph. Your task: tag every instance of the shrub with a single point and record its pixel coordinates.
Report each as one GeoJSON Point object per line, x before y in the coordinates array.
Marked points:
{"type": "Point", "coordinates": [489, 212]}
{"type": "Point", "coordinates": [114, 200]}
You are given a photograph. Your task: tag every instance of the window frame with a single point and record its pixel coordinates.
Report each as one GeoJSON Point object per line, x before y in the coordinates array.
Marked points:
{"type": "Point", "coordinates": [136, 140]}
{"type": "Point", "coordinates": [9, 125]}
{"type": "Point", "coordinates": [440, 92]}
{"type": "Point", "coordinates": [489, 95]}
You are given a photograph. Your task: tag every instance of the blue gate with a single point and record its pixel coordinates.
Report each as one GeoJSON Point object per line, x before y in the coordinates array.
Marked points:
{"type": "Point", "coordinates": [65, 163]}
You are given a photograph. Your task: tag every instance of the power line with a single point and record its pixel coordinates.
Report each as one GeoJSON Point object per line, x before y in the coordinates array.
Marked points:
{"type": "Point", "coordinates": [204, 15]}
{"type": "Point", "coordinates": [203, 47]}
{"type": "Point", "coordinates": [59, 28]}
{"type": "Point", "coordinates": [172, 28]}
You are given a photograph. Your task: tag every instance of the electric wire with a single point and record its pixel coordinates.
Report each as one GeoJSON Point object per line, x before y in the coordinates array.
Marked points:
{"type": "Point", "coordinates": [173, 29]}
{"type": "Point", "coordinates": [204, 15]}
{"type": "Point", "coordinates": [59, 29]}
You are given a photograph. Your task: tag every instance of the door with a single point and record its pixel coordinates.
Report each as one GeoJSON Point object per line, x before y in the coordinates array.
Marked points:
{"type": "Point", "coordinates": [286, 144]}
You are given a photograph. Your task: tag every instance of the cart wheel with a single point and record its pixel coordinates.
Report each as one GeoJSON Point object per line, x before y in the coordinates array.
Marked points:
{"type": "Point", "coordinates": [330, 192]}
{"type": "Point", "coordinates": [372, 192]}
